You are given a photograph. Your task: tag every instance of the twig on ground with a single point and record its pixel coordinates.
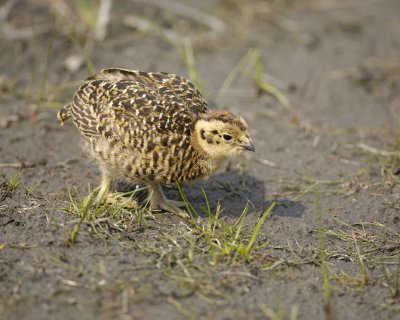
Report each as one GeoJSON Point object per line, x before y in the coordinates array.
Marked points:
{"type": "Point", "coordinates": [340, 5]}
{"type": "Point", "coordinates": [376, 151]}
{"type": "Point", "coordinates": [266, 162]}
{"type": "Point", "coordinates": [17, 165]}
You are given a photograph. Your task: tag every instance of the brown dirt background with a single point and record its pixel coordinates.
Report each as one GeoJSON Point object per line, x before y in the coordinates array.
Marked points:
{"type": "Point", "coordinates": [337, 62]}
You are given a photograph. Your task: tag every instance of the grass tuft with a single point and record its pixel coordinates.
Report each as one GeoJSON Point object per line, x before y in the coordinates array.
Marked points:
{"type": "Point", "coordinates": [104, 220]}
{"type": "Point", "coordinates": [393, 282]}
{"type": "Point", "coordinates": [280, 312]}
{"type": "Point", "coordinates": [212, 237]}
{"type": "Point", "coordinates": [361, 262]}
{"type": "Point", "coordinates": [252, 66]}
{"type": "Point", "coordinates": [223, 239]}
{"type": "Point", "coordinates": [13, 182]}
{"type": "Point", "coordinates": [30, 190]}
{"type": "Point", "coordinates": [83, 210]}
{"type": "Point", "coordinates": [325, 272]}
{"type": "Point", "coordinates": [185, 50]}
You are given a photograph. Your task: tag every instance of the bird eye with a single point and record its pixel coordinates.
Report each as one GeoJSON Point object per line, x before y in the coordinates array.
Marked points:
{"type": "Point", "coordinates": [227, 137]}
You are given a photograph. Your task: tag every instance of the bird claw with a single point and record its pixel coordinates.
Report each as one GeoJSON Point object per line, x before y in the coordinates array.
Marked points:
{"type": "Point", "coordinates": [127, 203]}
{"type": "Point", "coordinates": [176, 203]}
{"type": "Point", "coordinates": [170, 206]}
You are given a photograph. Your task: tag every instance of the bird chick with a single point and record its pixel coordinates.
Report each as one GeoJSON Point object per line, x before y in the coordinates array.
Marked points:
{"type": "Point", "coordinates": [152, 128]}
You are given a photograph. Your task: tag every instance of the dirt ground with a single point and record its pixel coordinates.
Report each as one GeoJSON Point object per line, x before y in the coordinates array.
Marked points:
{"type": "Point", "coordinates": [318, 82]}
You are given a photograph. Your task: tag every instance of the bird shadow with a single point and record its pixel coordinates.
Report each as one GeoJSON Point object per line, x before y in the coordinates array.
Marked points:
{"type": "Point", "coordinates": [232, 192]}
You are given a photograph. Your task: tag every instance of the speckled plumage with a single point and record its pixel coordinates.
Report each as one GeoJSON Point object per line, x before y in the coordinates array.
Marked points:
{"type": "Point", "coordinates": [142, 127]}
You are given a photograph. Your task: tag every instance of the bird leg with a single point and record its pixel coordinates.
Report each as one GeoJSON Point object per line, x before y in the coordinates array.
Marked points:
{"type": "Point", "coordinates": [104, 195]}
{"type": "Point", "coordinates": [157, 200]}
{"type": "Point", "coordinates": [105, 185]}
{"type": "Point", "coordinates": [125, 202]}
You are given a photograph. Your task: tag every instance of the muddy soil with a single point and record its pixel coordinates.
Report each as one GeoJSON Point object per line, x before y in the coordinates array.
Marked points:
{"type": "Point", "coordinates": [327, 153]}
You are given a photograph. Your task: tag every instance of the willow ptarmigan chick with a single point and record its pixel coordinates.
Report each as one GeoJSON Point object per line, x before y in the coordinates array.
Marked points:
{"type": "Point", "coordinates": [152, 128]}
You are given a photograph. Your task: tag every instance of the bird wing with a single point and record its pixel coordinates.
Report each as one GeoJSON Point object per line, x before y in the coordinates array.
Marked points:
{"type": "Point", "coordinates": [127, 109]}
{"type": "Point", "coordinates": [166, 84]}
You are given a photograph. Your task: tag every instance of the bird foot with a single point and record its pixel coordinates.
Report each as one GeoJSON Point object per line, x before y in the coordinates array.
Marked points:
{"type": "Point", "coordinates": [156, 200]}
{"type": "Point", "coordinates": [175, 203]}
{"type": "Point", "coordinates": [127, 203]}
{"type": "Point", "coordinates": [168, 206]}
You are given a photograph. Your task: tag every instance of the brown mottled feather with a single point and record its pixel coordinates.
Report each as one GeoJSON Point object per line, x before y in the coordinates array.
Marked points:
{"type": "Point", "coordinates": [162, 83]}
{"type": "Point", "coordinates": [150, 114]}
{"type": "Point", "coordinates": [153, 128]}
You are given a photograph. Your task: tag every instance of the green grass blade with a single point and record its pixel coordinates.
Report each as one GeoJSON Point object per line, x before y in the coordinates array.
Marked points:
{"type": "Point", "coordinates": [207, 204]}
{"type": "Point", "coordinates": [191, 210]}
{"type": "Point", "coordinates": [257, 229]}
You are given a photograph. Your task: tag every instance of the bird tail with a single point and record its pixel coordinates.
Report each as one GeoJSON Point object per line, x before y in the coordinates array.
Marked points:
{"type": "Point", "coordinates": [64, 113]}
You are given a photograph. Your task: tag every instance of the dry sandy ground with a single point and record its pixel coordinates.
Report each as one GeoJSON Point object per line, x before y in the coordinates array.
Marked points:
{"type": "Point", "coordinates": [327, 151]}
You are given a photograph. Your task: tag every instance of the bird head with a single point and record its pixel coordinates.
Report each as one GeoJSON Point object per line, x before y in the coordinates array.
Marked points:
{"type": "Point", "coordinates": [221, 134]}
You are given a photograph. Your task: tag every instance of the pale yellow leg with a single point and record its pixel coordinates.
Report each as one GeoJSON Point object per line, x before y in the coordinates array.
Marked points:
{"type": "Point", "coordinates": [158, 201]}
{"type": "Point", "coordinates": [105, 185]}
{"type": "Point", "coordinates": [104, 195]}
{"type": "Point", "coordinates": [124, 201]}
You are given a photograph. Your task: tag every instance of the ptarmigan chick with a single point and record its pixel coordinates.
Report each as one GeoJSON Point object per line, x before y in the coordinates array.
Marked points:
{"type": "Point", "coordinates": [152, 128]}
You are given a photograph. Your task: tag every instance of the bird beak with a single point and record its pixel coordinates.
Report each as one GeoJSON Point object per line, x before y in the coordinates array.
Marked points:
{"type": "Point", "coordinates": [249, 146]}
